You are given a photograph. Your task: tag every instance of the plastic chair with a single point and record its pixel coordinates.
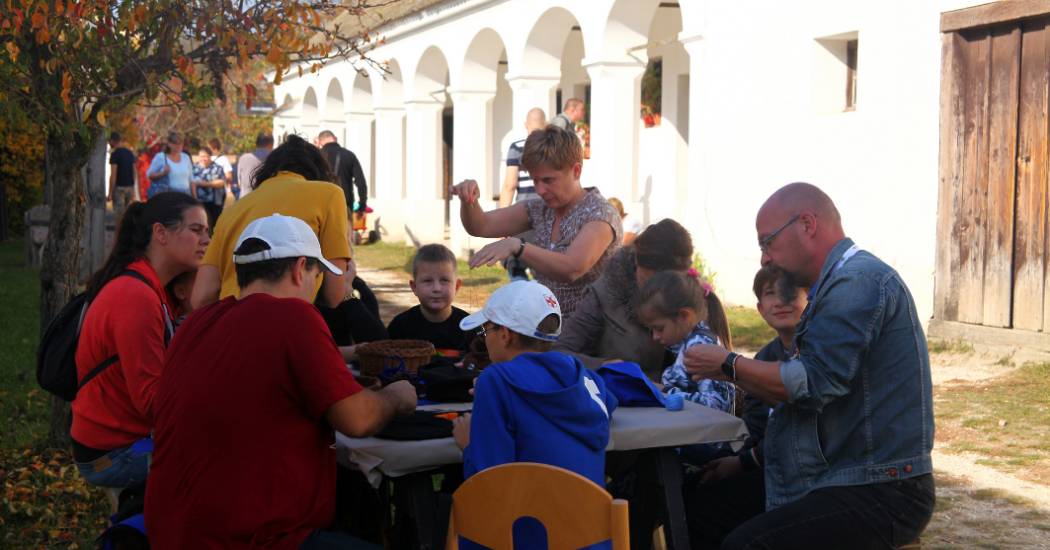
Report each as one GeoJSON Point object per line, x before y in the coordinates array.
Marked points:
{"type": "Point", "coordinates": [575, 511]}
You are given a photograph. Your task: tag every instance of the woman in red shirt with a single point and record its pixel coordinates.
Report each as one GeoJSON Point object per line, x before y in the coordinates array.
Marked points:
{"type": "Point", "coordinates": [130, 320]}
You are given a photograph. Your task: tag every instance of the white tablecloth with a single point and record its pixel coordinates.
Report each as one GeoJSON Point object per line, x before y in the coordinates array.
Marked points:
{"type": "Point", "coordinates": [631, 427]}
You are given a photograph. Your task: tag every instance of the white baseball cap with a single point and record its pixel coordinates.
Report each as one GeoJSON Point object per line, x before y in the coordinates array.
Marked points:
{"type": "Point", "coordinates": [520, 306]}
{"type": "Point", "coordinates": [288, 237]}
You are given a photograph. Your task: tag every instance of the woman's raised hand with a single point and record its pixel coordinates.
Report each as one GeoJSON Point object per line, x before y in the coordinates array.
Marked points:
{"type": "Point", "coordinates": [496, 252]}
{"type": "Point", "coordinates": [468, 191]}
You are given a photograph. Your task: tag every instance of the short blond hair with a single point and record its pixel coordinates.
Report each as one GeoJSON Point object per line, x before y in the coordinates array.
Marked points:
{"type": "Point", "coordinates": [553, 147]}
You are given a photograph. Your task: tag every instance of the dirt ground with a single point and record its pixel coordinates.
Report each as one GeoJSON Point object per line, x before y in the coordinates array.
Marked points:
{"type": "Point", "coordinates": [977, 506]}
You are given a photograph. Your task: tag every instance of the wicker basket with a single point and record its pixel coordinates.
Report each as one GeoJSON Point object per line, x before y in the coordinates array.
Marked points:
{"type": "Point", "coordinates": [374, 357]}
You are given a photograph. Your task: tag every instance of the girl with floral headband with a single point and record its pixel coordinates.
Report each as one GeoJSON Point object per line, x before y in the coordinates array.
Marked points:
{"type": "Point", "coordinates": [682, 311]}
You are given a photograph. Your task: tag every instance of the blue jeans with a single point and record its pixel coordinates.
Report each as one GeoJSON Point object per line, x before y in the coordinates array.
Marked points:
{"type": "Point", "coordinates": [335, 540]}
{"type": "Point", "coordinates": [120, 468]}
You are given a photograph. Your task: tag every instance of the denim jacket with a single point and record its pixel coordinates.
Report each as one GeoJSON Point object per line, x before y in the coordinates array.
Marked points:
{"type": "Point", "coordinates": [860, 404]}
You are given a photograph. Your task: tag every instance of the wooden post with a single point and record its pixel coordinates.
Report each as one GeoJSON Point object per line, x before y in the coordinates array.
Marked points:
{"type": "Point", "coordinates": [94, 243]}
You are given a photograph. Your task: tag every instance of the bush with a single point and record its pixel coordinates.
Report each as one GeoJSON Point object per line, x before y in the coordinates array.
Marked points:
{"type": "Point", "coordinates": [21, 170]}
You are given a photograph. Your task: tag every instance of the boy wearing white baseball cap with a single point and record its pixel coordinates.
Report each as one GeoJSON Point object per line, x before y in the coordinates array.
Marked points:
{"type": "Point", "coordinates": [246, 405]}
{"type": "Point", "coordinates": [532, 404]}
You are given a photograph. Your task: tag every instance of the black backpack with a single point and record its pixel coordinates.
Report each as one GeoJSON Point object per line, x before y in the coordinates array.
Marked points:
{"type": "Point", "coordinates": [56, 366]}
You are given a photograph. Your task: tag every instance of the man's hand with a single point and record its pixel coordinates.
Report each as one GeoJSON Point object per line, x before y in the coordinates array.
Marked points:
{"type": "Point", "coordinates": [404, 395]}
{"type": "Point", "coordinates": [720, 468]}
{"type": "Point", "coordinates": [461, 430]}
{"type": "Point", "coordinates": [496, 252]}
{"type": "Point", "coordinates": [468, 191]}
{"type": "Point", "coordinates": [704, 361]}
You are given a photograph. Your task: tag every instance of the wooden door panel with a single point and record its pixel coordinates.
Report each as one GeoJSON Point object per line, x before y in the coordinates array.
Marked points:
{"type": "Point", "coordinates": [968, 226]}
{"type": "Point", "coordinates": [1002, 155]}
{"type": "Point", "coordinates": [946, 292]}
{"type": "Point", "coordinates": [1030, 222]}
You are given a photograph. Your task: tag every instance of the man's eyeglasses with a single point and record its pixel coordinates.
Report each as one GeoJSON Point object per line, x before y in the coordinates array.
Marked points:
{"type": "Point", "coordinates": [485, 329]}
{"type": "Point", "coordinates": [763, 243]}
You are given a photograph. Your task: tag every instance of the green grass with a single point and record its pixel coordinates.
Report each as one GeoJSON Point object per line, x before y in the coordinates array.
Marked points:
{"type": "Point", "coordinates": [1006, 420]}
{"type": "Point", "coordinates": [748, 328]}
{"type": "Point", "coordinates": [23, 406]}
{"type": "Point", "coordinates": [45, 502]}
{"type": "Point", "coordinates": [957, 347]}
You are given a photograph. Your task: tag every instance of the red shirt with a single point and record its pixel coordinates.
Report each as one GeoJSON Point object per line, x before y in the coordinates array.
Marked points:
{"type": "Point", "coordinates": [243, 455]}
{"type": "Point", "coordinates": [116, 408]}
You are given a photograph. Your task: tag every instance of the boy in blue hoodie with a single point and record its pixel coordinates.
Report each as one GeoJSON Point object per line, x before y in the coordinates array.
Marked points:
{"type": "Point", "coordinates": [532, 404]}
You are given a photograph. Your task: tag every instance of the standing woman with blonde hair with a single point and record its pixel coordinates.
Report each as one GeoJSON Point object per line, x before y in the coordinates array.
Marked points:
{"type": "Point", "coordinates": [576, 229]}
{"type": "Point", "coordinates": [124, 334]}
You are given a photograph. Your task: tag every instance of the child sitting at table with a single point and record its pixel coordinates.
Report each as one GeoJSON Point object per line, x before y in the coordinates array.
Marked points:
{"type": "Point", "coordinates": [435, 319]}
{"type": "Point", "coordinates": [780, 303]}
{"type": "Point", "coordinates": [681, 311]}
{"type": "Point", "coordinates": [532, 404]}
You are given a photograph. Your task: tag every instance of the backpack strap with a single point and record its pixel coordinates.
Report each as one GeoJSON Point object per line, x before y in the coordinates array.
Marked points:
{"type": "Point", "coordinates": [169, 329]}
{"type": "Point", "coordinates": [98, 370]}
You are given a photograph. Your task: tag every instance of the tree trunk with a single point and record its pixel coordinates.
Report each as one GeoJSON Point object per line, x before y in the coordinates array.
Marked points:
{"type": "Point", "coordinates": [64, 160]}
{"type": "Point", "coordinates": [4, 222]}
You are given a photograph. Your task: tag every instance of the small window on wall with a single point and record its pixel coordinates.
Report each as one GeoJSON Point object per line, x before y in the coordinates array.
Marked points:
{"type": "Point", "coordinates": [652, 92]}
{"type": "Point", "coordinates": [835, 74]}
{"type": "Point", "coordinates": [851, 74]}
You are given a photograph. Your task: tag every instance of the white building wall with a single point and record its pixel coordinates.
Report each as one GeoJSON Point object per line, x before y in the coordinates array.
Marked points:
{"type": "Point", "coordinates": [749, 105]}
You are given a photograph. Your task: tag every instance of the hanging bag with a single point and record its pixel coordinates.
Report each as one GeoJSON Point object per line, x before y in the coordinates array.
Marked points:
{"type": "Point", "coordinates": [161, 184]}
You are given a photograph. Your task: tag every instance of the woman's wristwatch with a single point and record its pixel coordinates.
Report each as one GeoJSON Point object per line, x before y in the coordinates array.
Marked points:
{"type": "Point", "coordinates": [520, 248]}
{"type": "Point", "coordinates": [729, 366]}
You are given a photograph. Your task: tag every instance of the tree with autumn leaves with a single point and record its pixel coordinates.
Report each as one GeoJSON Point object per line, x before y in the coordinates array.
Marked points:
{"type": "Point", "coordinates": [68, 65]}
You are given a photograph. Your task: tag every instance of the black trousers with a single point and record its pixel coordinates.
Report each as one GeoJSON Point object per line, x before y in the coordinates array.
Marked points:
{"type": "Point", "coordinates": [730, 515]}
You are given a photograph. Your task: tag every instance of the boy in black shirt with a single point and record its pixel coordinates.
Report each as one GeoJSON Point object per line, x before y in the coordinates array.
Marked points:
{"type": "Point", "coordinates": [435, 319]}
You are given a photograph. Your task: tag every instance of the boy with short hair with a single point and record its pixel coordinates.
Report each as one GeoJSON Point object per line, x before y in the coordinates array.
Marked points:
{"type": "Point", "coordinates": [532, 404]}
{"type": "Point", "coordinates": [726, 482]}
{"type": "Point", "coordinates": [435, 319]}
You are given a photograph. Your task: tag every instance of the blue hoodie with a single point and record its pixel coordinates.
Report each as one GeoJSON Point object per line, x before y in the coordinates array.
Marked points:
{"type": "Point", "coordinates": [539, 407]}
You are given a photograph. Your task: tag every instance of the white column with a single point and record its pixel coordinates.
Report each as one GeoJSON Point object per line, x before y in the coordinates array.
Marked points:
{"type": "Point", "coordinates": [697, 147]}
{"type": "Point", "coordinates": [615, 104]}
{"type": "Point", "coordinates": [473, 146]}
{"type": "Point", "coordinates": [423, 189]}
{"type": "Point", "coordinates": [359, 140]}
{"type": "Point", "coordinates": [530, 92]}
{"type": "Point", "coordinates": [389, 181]}
{"type": "Point", "coordinates": [697, 162]}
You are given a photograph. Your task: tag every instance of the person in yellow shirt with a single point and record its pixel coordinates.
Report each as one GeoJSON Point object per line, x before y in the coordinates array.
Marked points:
{"type": "Point", "coordinates": [294, 180]}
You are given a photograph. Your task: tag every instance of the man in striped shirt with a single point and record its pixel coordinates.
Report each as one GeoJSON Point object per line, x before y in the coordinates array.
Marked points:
{"type": "Point", "coordinates": [517, 184]}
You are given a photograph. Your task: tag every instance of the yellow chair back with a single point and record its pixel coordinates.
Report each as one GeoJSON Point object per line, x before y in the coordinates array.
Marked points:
{"type": "Point", "coordinates": [575, 511]}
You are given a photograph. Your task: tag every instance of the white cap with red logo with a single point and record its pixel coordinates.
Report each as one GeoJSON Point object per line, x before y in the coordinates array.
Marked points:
{"type": "Point", "coordinates": [520, 306]}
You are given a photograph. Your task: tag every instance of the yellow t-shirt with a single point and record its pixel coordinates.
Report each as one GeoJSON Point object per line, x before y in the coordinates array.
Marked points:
{"type": "Point", "coordinates": [320, 204]}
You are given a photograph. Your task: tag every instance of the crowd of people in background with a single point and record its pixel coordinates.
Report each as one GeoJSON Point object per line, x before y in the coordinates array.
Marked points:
{"type": "Point", "coordinates": [200, 168]}
{"type": "Point", "coordinates": [837, 405]}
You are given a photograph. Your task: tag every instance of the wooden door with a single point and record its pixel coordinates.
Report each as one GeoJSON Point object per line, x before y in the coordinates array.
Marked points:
{"type": "Point", "coordinates": [992, 213]}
